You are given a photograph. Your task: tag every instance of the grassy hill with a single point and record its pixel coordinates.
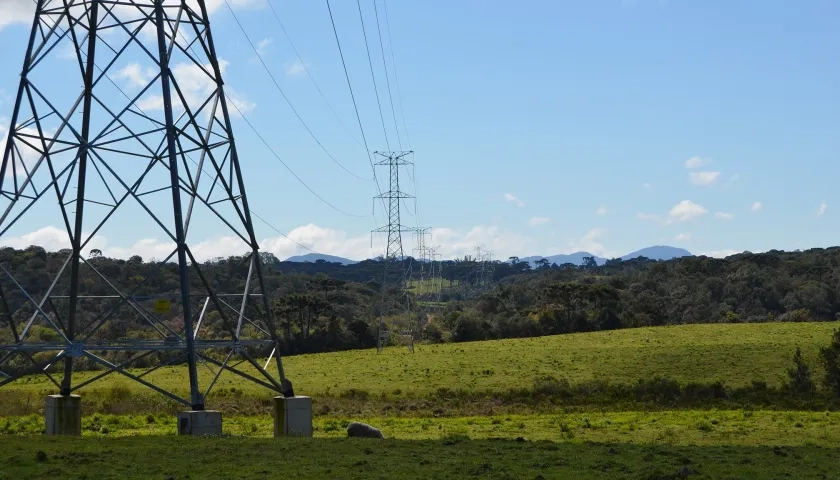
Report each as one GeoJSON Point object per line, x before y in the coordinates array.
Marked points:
{"type": "Point", "coordinates": [735, 354]}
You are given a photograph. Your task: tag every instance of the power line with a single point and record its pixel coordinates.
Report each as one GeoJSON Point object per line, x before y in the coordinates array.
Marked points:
{"type": "Point", "coordinates": [309, 74]}
{"type": "Point", "coordinates": [387, 81]}
{"type": "Point", "coordinates": [232, 103]}
{"type": "Point", "coordinates": [396, 78]}
{"type": "Point", "coordinates": [372, 75]}
{"type": "Point", "coordinates": [396, 82]}
{"type": "Point", "coordinates": [355, 106]}
{"type": "Point", "coordinates": [283, 234]}
{"type": "Point", "coordinates": [276, 84]}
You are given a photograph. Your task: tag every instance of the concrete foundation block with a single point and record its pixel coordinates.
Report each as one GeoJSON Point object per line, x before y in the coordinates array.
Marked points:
{"type": "Point", "coordinates": [293, 416]}
{"type": "Point", "coordinates": [200, 422]}
{"type": "Point", "coordinates": [63, 415]}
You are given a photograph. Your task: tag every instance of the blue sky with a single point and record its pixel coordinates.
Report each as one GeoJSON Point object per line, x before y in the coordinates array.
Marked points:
{"type": "Point", "coordinates": [538, 127]}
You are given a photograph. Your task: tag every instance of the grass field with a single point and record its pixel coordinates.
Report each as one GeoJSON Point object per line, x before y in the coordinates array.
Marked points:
{"type": "Point", "coordinates": [683, 427]}
{"type": "Point", "coordinates": [448, 458]}
{"type": "Point", "coordinates": [448, 412]}
{"type": "Point", "coordinates": [428, 286]}
{"type": "Point", "coordinates": [735, 354]}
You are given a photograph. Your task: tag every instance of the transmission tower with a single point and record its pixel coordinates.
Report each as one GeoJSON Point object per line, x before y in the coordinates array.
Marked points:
{"type": "Point", "coordinates": [394, 275]}
{"type": "Point", "coordinates": [484, 270]}
{"type": "Point", "coordinates": [436, 271]}
{"type": "Point", "coordinates": [422, 255]}
{"type": "Point", "coordinates": [137, 151]}
{"type": "Point", "coordinates": [488, 269]}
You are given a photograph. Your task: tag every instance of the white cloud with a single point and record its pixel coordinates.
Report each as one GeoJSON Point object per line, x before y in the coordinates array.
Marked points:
{"type": "Point", "coordinates": [703, 178]}
{"type": "Point", "coordinates": [135, 74]}
{"type": "Point", "coordinates": [683, 237]}
{"type": "Point", "coordinates": [686, 210]}
{"type": "Point", "coordinates": [724, 216]}
{"type": "Point", "coordinates": [590, 243]}
{"type": "Point", "coordinates": [197, 87]}
{"type": "Point", "coordinates": [66, 51]}
{"type": "Point", "coordinates": [512, 199]}
{"type": "Point", "coordinates": [455, 243]}
{"type": "Point", "coordinates": [756, 206]}
{"type": "Point", "coordinates": [697, 162]}
{"type": "Point", "coordinates": [263, 44]}
{"type": "Point", "coordinates": [16, 11]}
{"type": "Point", "coordinates": [719, 253]}
{"type": "Point", "coordinates": [536, 221]}
{"type": "Point", "coordinates": [602, 210]}
{"type": "Point", "coordinates": [821, 210]}
{"type": "Point", "coordinates": [503, 243]}
{"type": "Point", "coordinates": [295, 68]}
{"type": "Point", "coordinates": [29, 155]}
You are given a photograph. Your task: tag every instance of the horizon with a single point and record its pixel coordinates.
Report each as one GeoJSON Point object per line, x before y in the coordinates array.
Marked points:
{"type": "Point", "coordinates": [714, 140]}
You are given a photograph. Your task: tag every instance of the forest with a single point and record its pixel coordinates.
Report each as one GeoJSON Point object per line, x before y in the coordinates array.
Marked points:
{"type": "Point", "coordinates": [328, 307]}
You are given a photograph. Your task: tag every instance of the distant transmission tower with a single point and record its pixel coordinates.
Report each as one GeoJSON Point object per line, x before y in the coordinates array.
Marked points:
{"type": "Point", "coordinates": [484, 270]}
{"type": "Point", "coordinates": [422, 256]}
{"type": "Point", "coordinates": [394, 275]}
{"type": "Point", "coordinates": [122, 145]}
{"type": "Point", "coordinates": [437, 271]}
{"type": "Point", "coordinates": [488, 269]}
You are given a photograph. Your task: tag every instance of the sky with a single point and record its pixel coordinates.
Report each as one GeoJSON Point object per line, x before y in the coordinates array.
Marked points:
{"type": "Point", "coordinates": [538, 127]}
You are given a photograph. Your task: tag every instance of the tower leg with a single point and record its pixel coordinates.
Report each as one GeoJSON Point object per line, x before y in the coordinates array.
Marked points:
{"type": "Point", "coordinates": [200, 422]}
{"type": "Point", "coordinates": [63, 415]}
{"type": "Point", "coordinates": [292, 416]}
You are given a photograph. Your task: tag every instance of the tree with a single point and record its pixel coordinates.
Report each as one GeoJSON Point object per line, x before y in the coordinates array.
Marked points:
{"type": "Point", "coordinates": [799, 376]}
{"type": "Point", "coordinates": [268, 258]}
{"type": "Point", "coordinates": [95, 253]}
{"type": "Point", "coordinates": [831, 362]}
{"type": "Point", "coordinates": [588, 263]}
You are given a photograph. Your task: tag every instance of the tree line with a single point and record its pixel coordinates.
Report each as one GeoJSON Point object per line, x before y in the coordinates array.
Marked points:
{"type": "Point", "coordinates": [325, 306]}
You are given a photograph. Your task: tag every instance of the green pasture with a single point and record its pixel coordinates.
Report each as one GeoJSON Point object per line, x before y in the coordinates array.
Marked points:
{"type": "Point", "coordinates": [736, 354]}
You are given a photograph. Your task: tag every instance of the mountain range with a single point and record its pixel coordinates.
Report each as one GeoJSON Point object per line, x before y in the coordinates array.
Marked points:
{"type": "Point", "coordinates": [656, 252]}
{"type": "Point", "coordinates": [314, 257]}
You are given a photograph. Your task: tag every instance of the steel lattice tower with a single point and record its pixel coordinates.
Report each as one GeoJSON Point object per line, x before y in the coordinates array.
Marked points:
{"type": "Point", "coordinates": [134, 140]}
{"type": "Point", "coordinates": [394, 275]}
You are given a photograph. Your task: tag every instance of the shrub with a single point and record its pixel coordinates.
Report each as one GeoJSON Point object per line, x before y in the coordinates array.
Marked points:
{"type": "Point", "coordinates": [546, 385]}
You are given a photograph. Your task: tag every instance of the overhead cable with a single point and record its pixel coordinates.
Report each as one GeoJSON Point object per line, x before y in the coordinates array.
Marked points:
{"type": "Point", "coordinates": [396, 78]}
{"type": "Point", "coordinates": [355, 106]}
{"type": "Point", "coordinates": [309, 74]}
{"type": "Point", "coordinates": [283, 94]}
{"type": "Point", "coordinates": [372, 75]}
{"type": "Point", "coordinates": [233, 104]}
{"type": "Point", "coordinates": [387, 80]}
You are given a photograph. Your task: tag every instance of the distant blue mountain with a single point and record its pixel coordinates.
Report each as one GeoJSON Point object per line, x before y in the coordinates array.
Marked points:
{"type": "Point", "coordinates": [658, 252]}
{"type": "Point", "coordinates": [576, 258]}
{"type": "Point", "coordinates": [314, 257]}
